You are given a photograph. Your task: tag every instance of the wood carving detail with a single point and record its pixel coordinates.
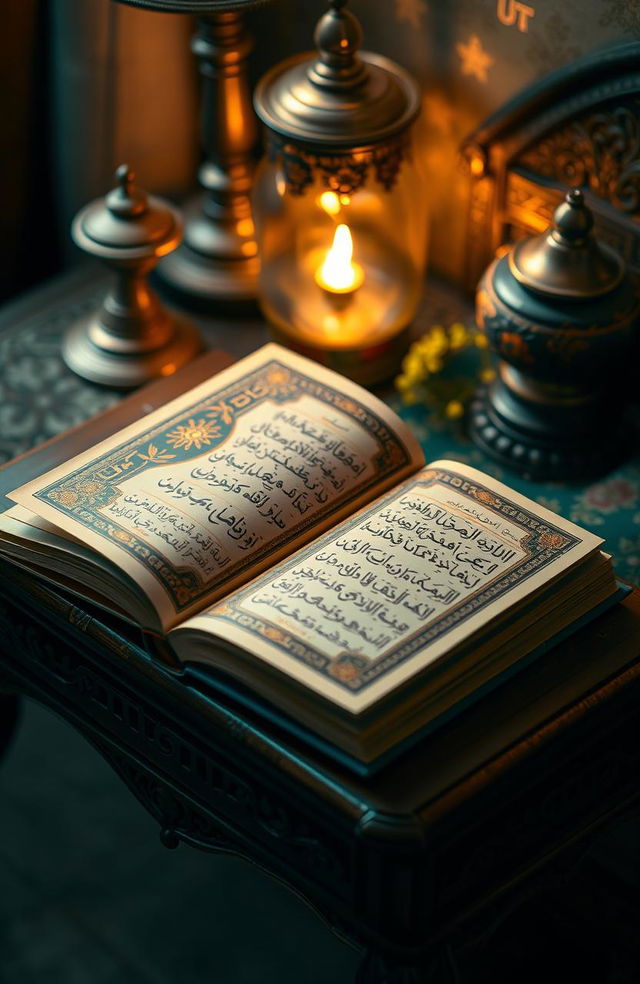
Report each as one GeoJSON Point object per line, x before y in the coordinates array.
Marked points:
{"type": "Point", "coordinates": [251, 806]}
{"type": "Point", "coordinates": [482, 854]}
{"type": "Point", "coordinates": [599, 151]}
{"type": "Point", "coordinates": [438, 966]}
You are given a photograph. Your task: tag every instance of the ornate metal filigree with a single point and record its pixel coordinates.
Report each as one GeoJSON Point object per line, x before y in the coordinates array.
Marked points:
{"type": "Point", "coordinates": [345, 172]}
{"type": "Point", "coordinates": [600, 151]}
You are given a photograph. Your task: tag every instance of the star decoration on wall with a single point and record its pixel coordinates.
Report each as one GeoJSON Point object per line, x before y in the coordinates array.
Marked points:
{"type": "Point", "coordinates": [411, 11]}
{"type": "Point", "coordinates": [475, 60]}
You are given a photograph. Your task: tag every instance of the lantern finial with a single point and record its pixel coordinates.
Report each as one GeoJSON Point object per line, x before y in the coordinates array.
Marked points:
{"type": "Point", "coordinates": [338, 37]}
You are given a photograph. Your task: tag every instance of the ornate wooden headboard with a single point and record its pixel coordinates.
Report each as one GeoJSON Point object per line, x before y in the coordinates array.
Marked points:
{"type": "Point", "coordinates": [578, 127]}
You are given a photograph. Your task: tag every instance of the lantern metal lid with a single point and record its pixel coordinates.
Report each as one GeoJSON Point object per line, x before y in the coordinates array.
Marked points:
{"type": "Point", "coordinates": [567, 260]}
{"type": "Point", "coordinates": [338, 97]}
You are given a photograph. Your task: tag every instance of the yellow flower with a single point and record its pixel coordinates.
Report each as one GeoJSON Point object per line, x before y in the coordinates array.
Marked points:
{"type": "Point", "coordinates": [454, 409]}
{"type": "Point", "coordinates": [458, 336]}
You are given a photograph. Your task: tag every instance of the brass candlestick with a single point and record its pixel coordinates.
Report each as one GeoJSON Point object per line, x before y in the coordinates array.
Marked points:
{"type": "Point", "coordinates": [218, 259]}
{"type": "Point", "coordinates": [131, 338]}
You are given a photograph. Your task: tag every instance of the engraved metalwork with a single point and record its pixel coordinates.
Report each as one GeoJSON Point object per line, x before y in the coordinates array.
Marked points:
{"type": "Point", "coordinates": [339, 115]}
{"type": "Point", "coordinates": [579, 126]}
{"type": "Point", "coordinates": [599, 151]}
{"type": "Point", "coordinates": [343, 173]}
{"type": "Point", "coordinates": [559, 311]}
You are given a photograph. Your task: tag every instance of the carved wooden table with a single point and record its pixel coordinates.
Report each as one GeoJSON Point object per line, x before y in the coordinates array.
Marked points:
{"type": "Point", "coordinates": [413, 866]}
{"type": "Point", "coordinates": [408, 864]}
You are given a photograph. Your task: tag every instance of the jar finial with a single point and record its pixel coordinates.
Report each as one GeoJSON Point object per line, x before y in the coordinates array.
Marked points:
{"type": "Point", "coordinates": [572, 220]}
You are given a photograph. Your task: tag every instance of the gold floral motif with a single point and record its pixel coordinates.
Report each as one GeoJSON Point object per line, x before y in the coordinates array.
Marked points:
{"type": "Point", "coordinates": [551, 541]}
{"type": "Point", "coordinates": [486, 497]}
{"type": "Point", "coordinates": [348, 406]}
{"type": "Point", "coordinates": [193, 434]}
{"type": "Point", "coordinates": [91, 486]}
{"type": "Point", "coordinates": [273, 634]}
{"type": "Point", "coordinates": [153, 453]}
{"type": "Point", "coordinates": [513, 346]}
{"type": "Point", "coordinates": [66, 497]}
{"type": "Point", "coordinates": [343, 671]}
{"type": "Point", "coordinates": [123, 537]}
{"type": "Point", "coordinates": [279, 380]}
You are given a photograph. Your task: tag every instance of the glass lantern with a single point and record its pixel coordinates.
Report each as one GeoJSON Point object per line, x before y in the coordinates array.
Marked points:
{"type": "Point", "coordinates": [339, 204]}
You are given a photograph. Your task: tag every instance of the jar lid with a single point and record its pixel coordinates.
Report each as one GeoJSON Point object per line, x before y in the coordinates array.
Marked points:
{"type": "Point", "coordinates": [337, 97]}
{"type": "Point", "coordinates": [567, 260]}
{"type": "Point", "coordinates": [126, 218]}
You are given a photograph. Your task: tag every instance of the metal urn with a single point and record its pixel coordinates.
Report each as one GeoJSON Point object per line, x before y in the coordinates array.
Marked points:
{"type": "Point", "coordinates": [559, 310]}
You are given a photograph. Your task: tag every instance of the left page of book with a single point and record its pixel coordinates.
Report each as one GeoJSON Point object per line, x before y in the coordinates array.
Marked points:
{"type": "Point", "coordinates": [199, 496]}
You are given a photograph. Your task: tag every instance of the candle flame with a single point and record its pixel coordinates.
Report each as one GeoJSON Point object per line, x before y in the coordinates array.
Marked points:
{"type": "Point", "coordinates": [338, 272]}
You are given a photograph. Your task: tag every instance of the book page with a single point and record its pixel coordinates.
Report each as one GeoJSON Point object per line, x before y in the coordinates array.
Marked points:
{"type": "Point", "coordinates": [200, 495]}
{"type": "Point", "coordinates": [398, 585]}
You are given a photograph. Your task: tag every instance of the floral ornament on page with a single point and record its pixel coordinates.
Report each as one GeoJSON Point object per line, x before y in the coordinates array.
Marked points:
{"type": "Point", "coordinates": [444, 368]}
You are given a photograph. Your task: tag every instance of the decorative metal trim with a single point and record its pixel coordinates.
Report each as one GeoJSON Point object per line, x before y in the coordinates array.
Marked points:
{"type": "Point", "coordinates": [579, 125]}
{"type": "Point", "coordinates": [599, 151]}
{"type": "Point", "coordinates": [343, 173]}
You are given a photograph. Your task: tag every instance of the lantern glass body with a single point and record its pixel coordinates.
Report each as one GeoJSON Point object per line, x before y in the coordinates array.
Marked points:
{"type": "Point", "coordinates": [356, 303]}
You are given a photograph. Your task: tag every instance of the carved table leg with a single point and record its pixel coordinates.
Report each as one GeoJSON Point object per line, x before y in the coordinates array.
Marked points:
{"type": "Point", "coordinates": [9, 711]}
{"type": "Point", "coordinates": [438, 968]}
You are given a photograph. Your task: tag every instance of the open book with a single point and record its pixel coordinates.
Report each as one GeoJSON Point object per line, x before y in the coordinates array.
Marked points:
{"type": "Point", "coordinates": [277, 524]}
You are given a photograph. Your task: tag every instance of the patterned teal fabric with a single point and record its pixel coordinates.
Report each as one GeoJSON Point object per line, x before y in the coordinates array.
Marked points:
{"type": "Point", "coordinates": [609, 507]}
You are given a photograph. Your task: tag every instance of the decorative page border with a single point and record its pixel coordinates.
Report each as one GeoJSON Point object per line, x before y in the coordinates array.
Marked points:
{"type": "Point", "coordinates": [206, 425]}
{"type": "Point", "coordinates": [542, 541]}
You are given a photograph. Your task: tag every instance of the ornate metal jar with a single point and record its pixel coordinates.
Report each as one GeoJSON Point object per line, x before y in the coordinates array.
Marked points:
{"type": "Point", "coordinates": [559, 311]}
{"type": "Point", "coordinates": [339, 203]}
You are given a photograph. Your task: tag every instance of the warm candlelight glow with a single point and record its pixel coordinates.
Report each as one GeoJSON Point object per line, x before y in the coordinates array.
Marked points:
{"type": "Point", "coordinates": [330, 202]}
{"type": "Point", "coordinates": [339, 274]}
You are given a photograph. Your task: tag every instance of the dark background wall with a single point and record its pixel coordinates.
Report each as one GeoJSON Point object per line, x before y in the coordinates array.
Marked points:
{"type": "Point", "coordinates": [87, 84]}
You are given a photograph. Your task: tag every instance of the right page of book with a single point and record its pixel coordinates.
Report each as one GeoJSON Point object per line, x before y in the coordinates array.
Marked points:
{"type": "Point", "coordinates": [397, 585]}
